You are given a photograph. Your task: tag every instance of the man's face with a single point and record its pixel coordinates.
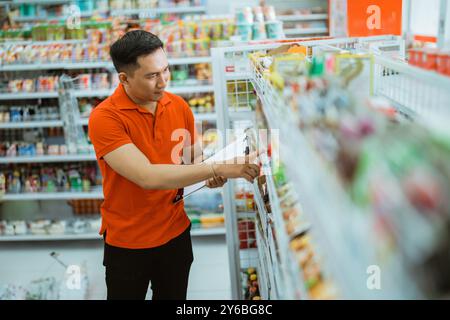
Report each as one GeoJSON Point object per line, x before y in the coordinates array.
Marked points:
{"type": "Point", "coordinates": [149, 80]}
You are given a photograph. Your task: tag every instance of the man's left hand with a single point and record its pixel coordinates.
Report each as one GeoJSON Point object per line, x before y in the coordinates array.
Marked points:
{"type": "Point", "coordinates": [216, 182]}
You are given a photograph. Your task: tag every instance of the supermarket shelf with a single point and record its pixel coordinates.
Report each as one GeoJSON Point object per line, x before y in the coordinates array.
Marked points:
{"type": "Point", "coordinates": [241, 115]}
{"type": "Point", "coordinates": [264, 216]}
{"type": "Point", "coordinates": [303, 17]}
{"type": "Point", "coordinates": [263, 263]}
{"type": "Point", "coordinates": [28, 95]}
{"type": "Point", "coordinates": [31, 124]}
{"type": "Point", "coordinates": [41, 159]}
{"type": "Point", "coordinates": [51, 237]}
{"type": "Point", "coordinates": [208, 232]}
{"type": "Point", "coordinates": [347, 256]}
{"type": "Point", "coordinates": [52, 66]}
{"type": "Point", "coordinates": [190, 60]}
{"type": "Point", "coordinates": [230, 76]}
{"type": "Point", "coordinates": [198, 117]}
{"type": "Point", "coordinates": [40, 2]}
{"type": "Point", "coordinates": [99, 92]}
{"type": "Point", "coordinates": [92, 64]}
{"type": "Point", "coordinates": [248, 257]}
{"type": "Point", "coordinates": [94, 236]}
{"type": "Point", "coordinates": [92, 93]}
{"type": "Point", "coordinates": [246, 215]}
{"type": "Point", "coordinates": [180, 10]}
{"type": "Point", "coordinates": [50, 18]}
{"type": "Point", "coordinates": [39, 18]}
{"type": "Point", "coordinates": [46, 42]}
{"type": "Point", "coordinates": [52, 196]}
{"type": "Point", "coordinates": [205, 116]}
{"type": "Point", "coordinates": [190, 89]}
{"type": "Point", "coordinates": [295, 287]}
{"type": "Point", "coordinates": [305, 31]}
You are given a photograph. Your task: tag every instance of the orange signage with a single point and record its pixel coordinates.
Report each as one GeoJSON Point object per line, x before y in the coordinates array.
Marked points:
{"type": "Point", "coordinates": [374, 17]}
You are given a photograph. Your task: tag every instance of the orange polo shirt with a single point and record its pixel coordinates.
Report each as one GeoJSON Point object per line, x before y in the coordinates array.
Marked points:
{"type": "Point", "coordinates": [133, 217]}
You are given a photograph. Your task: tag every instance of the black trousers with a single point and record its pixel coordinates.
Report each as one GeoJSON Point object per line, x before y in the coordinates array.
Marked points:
{"type": "Point", "coordinates": [129, 271]}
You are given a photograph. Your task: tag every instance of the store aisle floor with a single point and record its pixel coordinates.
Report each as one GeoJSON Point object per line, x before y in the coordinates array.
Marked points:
{"type": "Point", "coordinates": [20, 265]}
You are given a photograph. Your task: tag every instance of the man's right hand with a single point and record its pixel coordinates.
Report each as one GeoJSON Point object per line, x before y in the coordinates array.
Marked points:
{"type": "Point", "coordinates": [240, 167]}
{"type": "Point", "coordinates": [232, 171]}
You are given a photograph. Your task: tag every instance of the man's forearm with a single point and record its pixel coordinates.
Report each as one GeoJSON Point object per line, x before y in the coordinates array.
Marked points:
{"type": "Point", "coordinates": [193, 154]}
{"type": "Point", "coordinates": [162, 176]}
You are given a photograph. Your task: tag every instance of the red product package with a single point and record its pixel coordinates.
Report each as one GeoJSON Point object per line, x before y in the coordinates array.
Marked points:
{"type": "Point", "coordinates": [430, 59]}
{"type": "Point", "coordinates": [441, 62]}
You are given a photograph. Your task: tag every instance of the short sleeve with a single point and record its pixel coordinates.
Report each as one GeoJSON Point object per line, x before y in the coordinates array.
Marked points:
{"type": "Point", "coordinates": [190, 123]}
{"type": "Point", "coordinates": [106, 132]}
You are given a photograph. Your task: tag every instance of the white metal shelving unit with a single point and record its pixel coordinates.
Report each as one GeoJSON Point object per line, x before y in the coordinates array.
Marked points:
{"type": "Point", "coordinates": [260, 258]}
{"type": "Point", "coordinates": [156, 11]}
{"type": "Point", "coordinates": [190, 87]}
{"type": "Point", "coordinates": [305, 31]}
{"type": "Point", "coordinates": [50, 237]}
{"type": "Point", "coordinates": [48, 158]}
{"type": "Point", "coordinates": [200, 232]}
{"type": "Point", "coordinates": [52, 196]}
{"type": "Point", "coordinates": [227, 117]}
{"type": "Point", "coordinates": [91, 64]}
{"type": "Point", "coordinates": [201, 88]}
{"type": "Point", "coordinates": [31, 124]}
{"type": "Point", "coordinates": [303, 17]}
{"type": "Point", "coordinates": [345, 242]}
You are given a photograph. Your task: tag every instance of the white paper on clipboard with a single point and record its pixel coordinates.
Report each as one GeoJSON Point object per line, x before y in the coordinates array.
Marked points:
{"type": "Point", "coordinates": [231, 151]}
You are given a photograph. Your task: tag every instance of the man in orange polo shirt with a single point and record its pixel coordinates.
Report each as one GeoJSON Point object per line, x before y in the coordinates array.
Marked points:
{"type": "Point", "coordinates": [142, 136]}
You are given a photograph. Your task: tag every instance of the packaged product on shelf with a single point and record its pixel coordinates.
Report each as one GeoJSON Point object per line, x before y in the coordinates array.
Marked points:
{"type": "Point", "coordinates": [86, 206]}
{"type": "Point", "coordinates": [114, 81]}
{"type": "Point", "coordinates": [201, 103]}
{"type": "Point", "coordinates": [203, 71]}
{"type": "Point", "coordinates": [2, 184]}
{"type": "Point", "coordinates": [244, 15]}
{"type": "Point", "coordinates": [180, 73]}
{"type": "Point", "coordinates": [258, 14]}
{"type": "Point", "coordinates": [307, 261]}
{"type": "Point", "coordinates": [244, 201]}
{"type": "Point", "coordinates": [50, 178]}
{"type": "Point", "coordinates": [430, 59]}
{"type": "Point", "coordinates": [245, 31]}
{"type": "Point", "coordinates": [274, 30]}
{"type": "Point", "coordinates": [57, 227]}
{"type": "Point", "coordinates": [251, 285]}
{"type": "Point", "coordinates": [84, 81]}
{"type": "Point", "coordinates": [12, 228]}
{"type": "Point", "coordinates": [259, 31]}
{"type": "Point", "coordinates": [211, 220]}
{"type": "Point", "coordinates": [269, 13]}
{"type": "Point", "coordinates": [7, 228]}
{"type": "Point", "coordinates": [247, 234]}
{"type": "Point", "coordinates": [39, 227]}
{"type": "Point", "coordinates": [79, 226]}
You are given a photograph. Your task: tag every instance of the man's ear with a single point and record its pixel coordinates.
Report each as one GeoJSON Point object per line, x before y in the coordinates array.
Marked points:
{"type": "Point", "coordinates": [123, 78]}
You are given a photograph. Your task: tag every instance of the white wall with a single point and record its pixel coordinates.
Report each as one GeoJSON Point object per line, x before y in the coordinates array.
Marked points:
{"type": "Point", "coordinates": [447, 29]}
{"type": "Point", "coordinates": [227, 6]}
{"type": "Point", "coordinates": [425, 17]}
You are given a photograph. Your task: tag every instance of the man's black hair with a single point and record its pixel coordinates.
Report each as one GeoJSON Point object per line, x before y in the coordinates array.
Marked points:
{"type": "Point", "coordinates": [125, 51]}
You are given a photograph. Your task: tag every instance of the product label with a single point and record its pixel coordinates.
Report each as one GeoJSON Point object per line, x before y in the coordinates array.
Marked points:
{"type": "Point", "coordinates": [374, 17]}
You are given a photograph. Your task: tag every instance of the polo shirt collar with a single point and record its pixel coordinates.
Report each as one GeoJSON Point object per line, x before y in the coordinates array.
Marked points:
{"type": "Point", "coordinates": [122, 101]}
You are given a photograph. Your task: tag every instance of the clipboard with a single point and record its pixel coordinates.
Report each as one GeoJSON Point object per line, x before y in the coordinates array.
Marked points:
{"type": "Point", "coordinates": [235, 149]}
